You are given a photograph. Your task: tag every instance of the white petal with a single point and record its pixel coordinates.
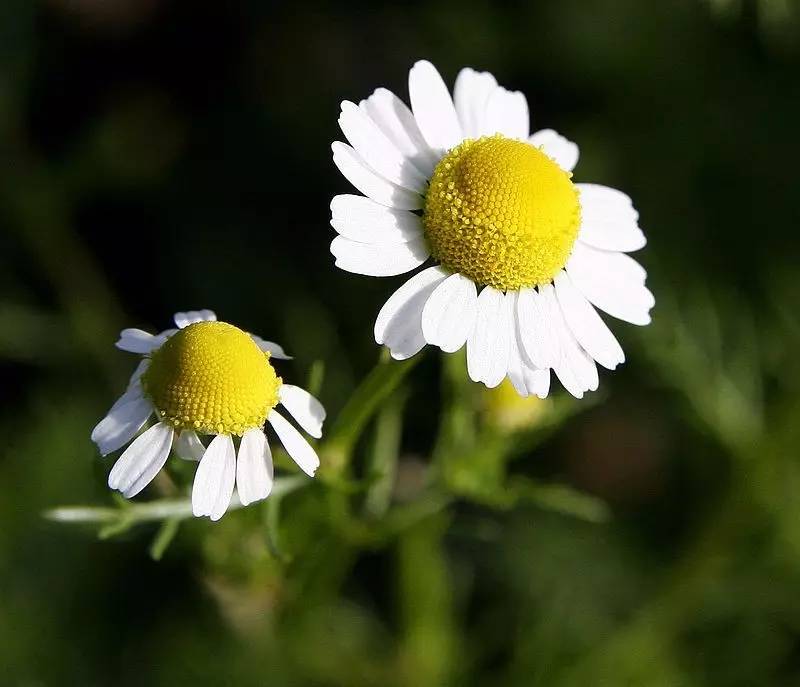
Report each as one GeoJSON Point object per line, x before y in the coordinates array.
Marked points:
{"type": "Point", "coordinates": [488, 344]}
{"type": "Point", "coordinates": [552, 316]}
{"type": "Point", "coordinates": [214, 479]}
{"type": "Point", "coordinates": [382, 260]}
{"type": "Point", "coordinates": [184, 319]}
{"type": "Point", "coordinates": [275, 350]}
{"type": "Point", "coordinates": [585, 324]}
{"type": "Point", "coordinates": [526, 380]}
{"type": "Point", "coordinates": [371, 184]}
{"type": "Point", "coordinates": [136, 377]}
{"type": "Point", "coordinates": [507, 114]}
{"type": "Point", "coordinates": [377, 150]}
{"type": "Point", "coordinates": [470, 94]}
{"type": "Point", "coordinates": [575, 369]}
{"type": "Point", "coordinates": [613, 282]}
{"type": "Point", "coordinates": [254, 471]}
{"type": "Point", "coordinates": [363, 220]}
{"type": "Point", "coordinates": [399, 323]}
{"type": "Point", "coordinates": [613, 262]}
{"type": "Point", "coordinates": [559, 149]}
{"type": "Point", "coordinates": [398, 124]}
{"type": "Point", "coordinates": [300, 451]}
{"type": "Point", "coordinates": [538, 381]}
{"type": "Point", "coordinates": [604, 194]}
{"type": "Point", "coordinates": [304, 408]}
{"type": "Point", "coordinates": [608, 219]}
{"type": "Point", "coordinates": [516, 361]}
{"type": "Point", "coordinates": [433, 107]}
{"type": "Point", "coordinates": [138, 341]}
{"type": "Point", "coordinates": [449, 314]}
{"type": "Point", "coordinates": [124, 419]}
{"type": "Point", "coordinates": [188, 446]}
{"type": "Point", "coordinates": [142, 460]}
{"type": "Point", "coordinates": [537, 337]}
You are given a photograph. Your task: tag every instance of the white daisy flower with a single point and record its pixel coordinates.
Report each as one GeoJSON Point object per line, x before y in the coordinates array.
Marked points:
{"type": "Point", "coordinates": [523, 255]}
{"type": "Point", "coordinates": [206, 378]}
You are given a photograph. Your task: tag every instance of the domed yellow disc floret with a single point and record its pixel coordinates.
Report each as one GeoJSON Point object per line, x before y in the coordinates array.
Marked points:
{"type": "Point", "coordinates": [501, 212]}
{"type": "Point", "coordinates": [212, 378]}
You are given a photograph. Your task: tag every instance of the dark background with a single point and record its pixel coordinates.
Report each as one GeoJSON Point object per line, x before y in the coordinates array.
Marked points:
{"type": "Point", "coordinates": [158, 155]}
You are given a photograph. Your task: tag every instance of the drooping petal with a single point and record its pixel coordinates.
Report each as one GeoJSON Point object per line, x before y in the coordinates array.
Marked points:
{"type": "Point", "coordinates": [399, 322]}
{"type": "Point", "coordinates": [559, 149]}
{"type": "Point", "coordinates": [575, 369]}
{"type": "Point", "coordinates": [516, 358]}
{"type": "Point", "coordinates": [449, 314]}
{"type": "Point", "coordinates": [299, 450]}
{"type": "Point", "coordinates": [275, 350]}
{"type": "Point", "coordinates": [488, 344]}
{"type": "Point", "coordinates": [507, 114]}
{"type": "Point", "coordinates": [471, 94]}
{"type": "Point", "coordinates": [377, 150]}
{"type": "Point", "coordinates": [381, 260]}
{"type": "Point", "coordinates": [573, 363]}
{"type": "Point", "coordinates": [538, 339]}
{"type": "Point", "coordinates": [125, 418]}
{"type": "Point", "coordinates": [433, 107]}
{"type": "Point", "coordinates": [361, 219]}
{"type": "Point", "coordinates": [304, 408]}
{"type": "Point", "coordinates": [188, 446]}
{"type": "Point", "coordinates": [609, 220]}
{"type": "Point", "coordinates": [214, 479]}
{"type": "Point", "coordinates": [370, 183]}
{"type": "Point", "coordinates": [398, 124]}
{"type": "Point", "coordinates": [538, 381]}
{"type": "Point", "coordinates": [525, 379]}
{"type": "Point", "coordinates": [586, 325]}
{"type": "Point", "coordinates": [184, 319]}
{"type": "Point", "coordinates": [613, 282]}
{"type": "Point", "coordinates": [142, 460]}
{"type": "Point", "coordinates": [254, 470]}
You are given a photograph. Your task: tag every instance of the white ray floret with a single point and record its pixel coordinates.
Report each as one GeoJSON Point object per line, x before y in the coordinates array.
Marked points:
{"type": "Point", "coordinates": [142, 460]}
{"type": "Point", "coordinates": [488, 345]}
{"type": "Point", "coordinates": [254, 471]}
{"type": "Point", "coordinates": [563, 151]}
{"type": "Point", "coordinates": [399, 323]}
{"type": "Point", "coordinates": [449, 314]}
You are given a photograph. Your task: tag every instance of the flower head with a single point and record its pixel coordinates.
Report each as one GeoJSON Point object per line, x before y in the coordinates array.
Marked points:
{"type": "Point", "coordinates": [206, 378]}
{"type": "Point", "coordinates": [524, 255]}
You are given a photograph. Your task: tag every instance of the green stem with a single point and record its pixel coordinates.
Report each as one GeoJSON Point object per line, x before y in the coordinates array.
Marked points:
{"type": "Point", "coordinates": [154, 511]}
{"type": "Point", "coordinates": [383, 457]}
{"type": "Point", "coordinates": [376, 387]}
{"type": "Point", "coordinates": [429, 641]}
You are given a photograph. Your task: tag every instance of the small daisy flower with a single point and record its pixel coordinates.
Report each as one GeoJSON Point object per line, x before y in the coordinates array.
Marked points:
{"type": "Point", "coordinates": [523, 255]}
{"type": "Point", "coordinates": [209, 379]}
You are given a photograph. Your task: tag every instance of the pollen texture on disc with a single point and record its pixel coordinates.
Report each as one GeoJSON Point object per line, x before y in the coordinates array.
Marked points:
{"type": "Point", "coordinates": [501, 212]}
{"type": "Point", "coordinates": [211, 377]}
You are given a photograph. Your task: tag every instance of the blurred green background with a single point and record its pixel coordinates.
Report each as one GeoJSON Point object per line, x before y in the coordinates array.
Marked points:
{"type": "Point", "coordinates": [160, 155]}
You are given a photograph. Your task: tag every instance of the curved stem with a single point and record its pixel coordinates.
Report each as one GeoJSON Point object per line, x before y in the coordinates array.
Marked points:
{"type": "Point", "coordinates": [376, 387]}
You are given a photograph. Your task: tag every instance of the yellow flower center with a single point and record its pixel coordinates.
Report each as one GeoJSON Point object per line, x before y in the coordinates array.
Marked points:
{"type": "Point", "coordinates": [212, 378]}
{"type": "Point", "coordinates": [501, 212]}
